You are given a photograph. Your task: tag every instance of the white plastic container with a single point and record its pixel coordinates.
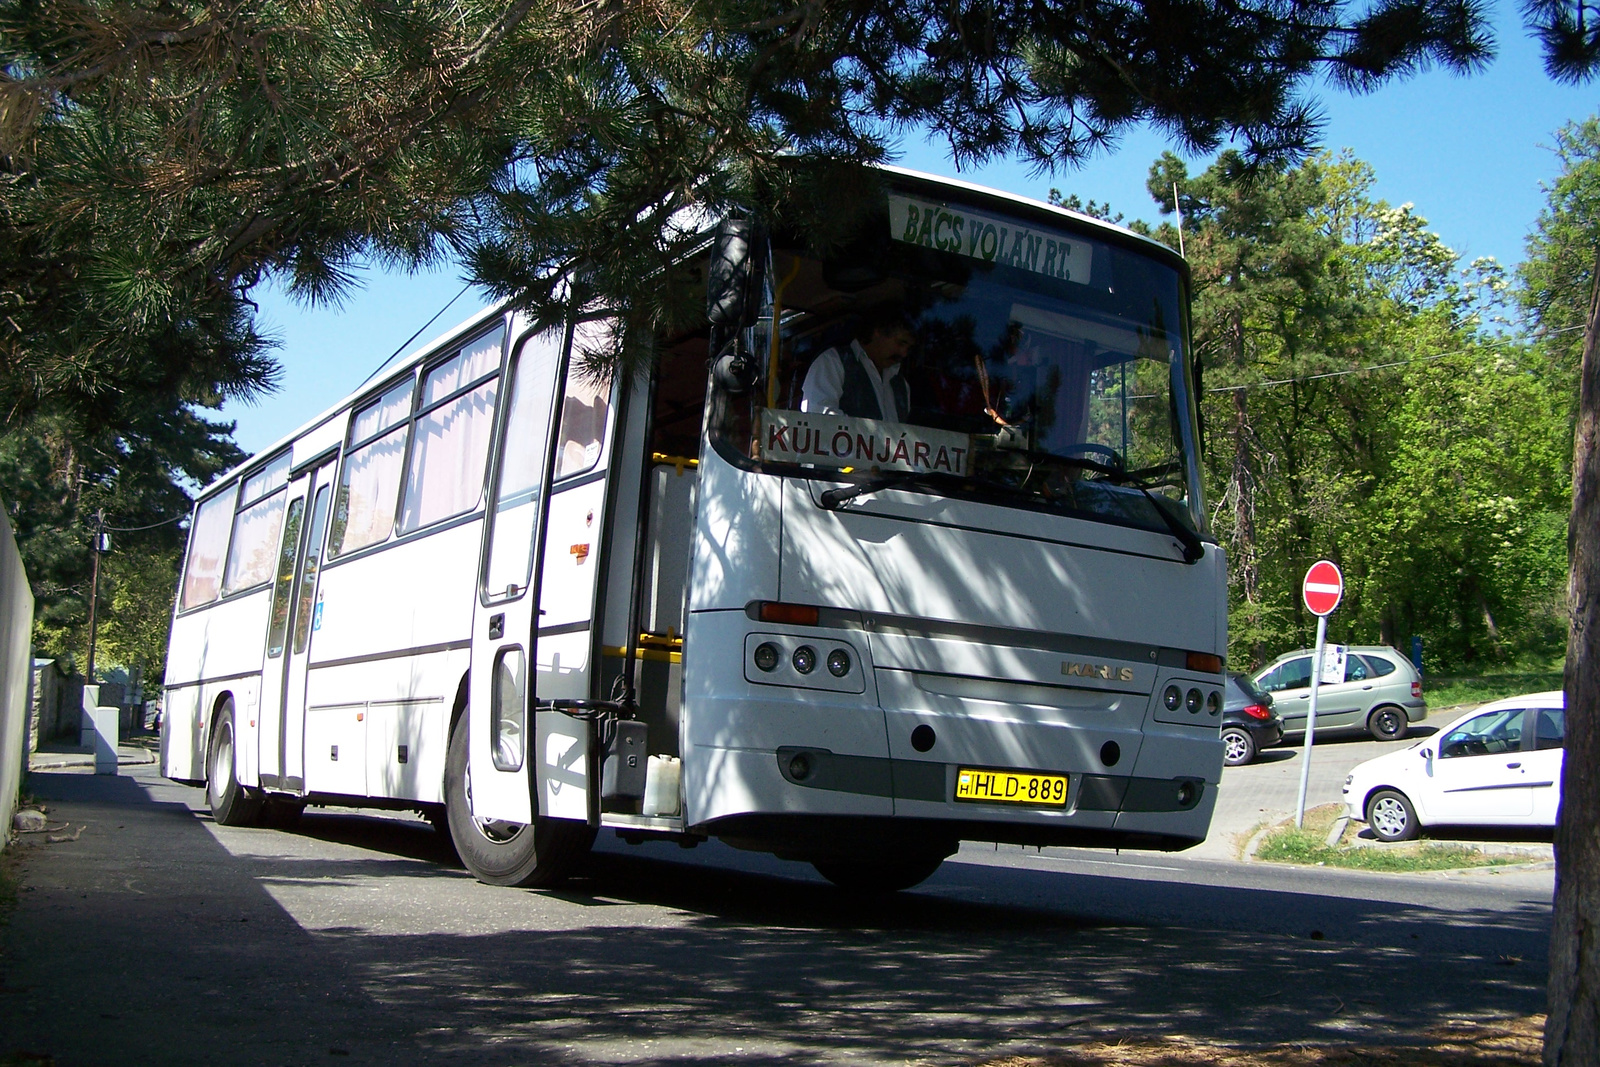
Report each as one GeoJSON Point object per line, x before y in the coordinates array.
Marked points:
{"type": "Point", "coordinates": [661, 785]}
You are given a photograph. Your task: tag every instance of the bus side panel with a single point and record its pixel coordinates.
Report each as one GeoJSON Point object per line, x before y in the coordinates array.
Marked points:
{"type": "Point", "coordinates": [737, 531]}
{"type": "Point", "coordinates": [183, 756]}
{"type": "Point", "coordinates": [226, 641]}
{"type": "Point", "coordinates": [387, 656]}
{"type": "Point", "coordinates": [415, 595]}
{"type": "Point", "coordinates": [369, 710]}
{"type": "Point", "coordinates": [220, 641]}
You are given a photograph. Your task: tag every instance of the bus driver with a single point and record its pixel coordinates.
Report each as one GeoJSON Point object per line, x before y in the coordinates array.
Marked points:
{"type": "Point", "coordinates": [864, 380]}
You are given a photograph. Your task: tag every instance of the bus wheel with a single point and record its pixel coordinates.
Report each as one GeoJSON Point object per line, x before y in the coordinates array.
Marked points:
{"type": "Point", "coordinates": [886, 876]}
{"type": "Point", "coordinates": [506, 853]}
{"type": "Point", "coordinates": [230, 804]}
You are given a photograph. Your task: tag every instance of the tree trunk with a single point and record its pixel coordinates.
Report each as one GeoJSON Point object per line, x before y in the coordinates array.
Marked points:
{"type": "Point", "coordinates": [1572, 1030]}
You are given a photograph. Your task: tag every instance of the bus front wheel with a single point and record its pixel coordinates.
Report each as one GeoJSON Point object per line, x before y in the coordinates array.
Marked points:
{"type": "Point", "coordinates": [506, 853]}
{"type": "Point", "coordinates": [879, 876]}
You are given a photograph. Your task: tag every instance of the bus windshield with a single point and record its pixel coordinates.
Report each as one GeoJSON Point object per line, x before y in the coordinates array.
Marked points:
{"type": "Point", "coordinates": [961, 351]}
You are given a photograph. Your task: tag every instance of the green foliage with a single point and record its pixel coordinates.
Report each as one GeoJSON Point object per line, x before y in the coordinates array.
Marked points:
{"type": "Point", "coordinates": [1560, 269]}
{"type": "Point", "coordinates": [1356, 408]}
{"type": "Point", "coordinates": [55, 475]}
{"type": "Point", "coordinates": [1308, 847]}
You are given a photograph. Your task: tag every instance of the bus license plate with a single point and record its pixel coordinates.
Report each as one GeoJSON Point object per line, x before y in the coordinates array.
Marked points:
{"type": "Point", "coordinates": [1006, 787]}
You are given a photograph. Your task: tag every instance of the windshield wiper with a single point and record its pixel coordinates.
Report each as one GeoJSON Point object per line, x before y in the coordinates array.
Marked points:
{"type": "Point", "coordinates": [834, 499]}
{"type": "Point", "coordinates": [1193, 547]}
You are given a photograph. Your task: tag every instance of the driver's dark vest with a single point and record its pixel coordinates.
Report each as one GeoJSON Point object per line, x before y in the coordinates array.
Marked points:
{"type": "Point", "coordinates": [859, 398]}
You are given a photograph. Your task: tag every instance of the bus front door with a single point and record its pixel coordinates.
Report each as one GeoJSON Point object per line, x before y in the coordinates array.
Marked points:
{"type": "Point", "coordinates": [504, 751]}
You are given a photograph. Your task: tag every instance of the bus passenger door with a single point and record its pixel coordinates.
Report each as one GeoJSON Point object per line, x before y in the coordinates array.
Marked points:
{"type": "Point", "coordinates": [305, 620]}
{"type": "Point", "coordinates": [500, 698]}
{"type": "Point", "coordinates": [269, 710]}
{"type": "Point", "coordinates": [283, 683]}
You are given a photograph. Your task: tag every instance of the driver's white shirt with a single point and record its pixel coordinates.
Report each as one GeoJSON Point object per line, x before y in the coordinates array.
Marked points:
{"type": "Point", "coordinates": [825, 383]}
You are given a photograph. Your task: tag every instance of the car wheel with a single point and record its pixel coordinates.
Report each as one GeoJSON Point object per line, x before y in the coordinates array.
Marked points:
{"type": "Point", "coordinates": [1238, 747]}
{"type": "Point", "coordinates": [1391, 816]}
{"type": "Point", "coordinates": [1388, 724]}
{"type": "Point", "coordinates": [230, 804]}
{"type": "Point", "coordinates": [504, 853]}
{"type": "Point", "coordinates": [889, 876]}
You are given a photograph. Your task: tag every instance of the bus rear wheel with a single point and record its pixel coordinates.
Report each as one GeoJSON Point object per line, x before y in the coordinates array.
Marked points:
{"type": "Point", "coordinates": [879, 876]}
{"type": "Point", "coordinates": [230, 804]}
{"type": "Point", "coordinates": [506, 853]}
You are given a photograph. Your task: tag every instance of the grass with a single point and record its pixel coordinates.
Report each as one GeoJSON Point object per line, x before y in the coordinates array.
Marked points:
{"type": "Point", "coordinates": [1308, 846]}
{"type": "Point", "coordinates": [1452, 690]}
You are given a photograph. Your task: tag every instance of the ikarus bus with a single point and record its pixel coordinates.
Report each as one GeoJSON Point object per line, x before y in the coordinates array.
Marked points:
{"type": "Point", "coordinates": [903, 547]}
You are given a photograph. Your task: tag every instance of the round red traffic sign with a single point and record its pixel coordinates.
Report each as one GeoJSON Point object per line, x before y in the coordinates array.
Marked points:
{"type": "Point", "coordinates": [1323, 588]}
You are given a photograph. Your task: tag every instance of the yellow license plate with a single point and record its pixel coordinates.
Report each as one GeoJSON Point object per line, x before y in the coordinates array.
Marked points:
{"type": "Point", "coordinates": [1006, 787]}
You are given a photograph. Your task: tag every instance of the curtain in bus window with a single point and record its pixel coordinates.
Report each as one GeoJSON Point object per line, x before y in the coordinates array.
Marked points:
{"type": "Point", "coordinates": [524, 452]}
{"type": "Point", "coordinates": [447, 459]}
{"type": "Point", "coordinates": [587, 404]}
{"type": "Point", "coordinates": [208, 545]}
{"type": "Point", "coordinates": [364, 513]}
{"type": "Point", "coordinates": [255, 544]}
{"type": "Point", "coordinates": [283, 585]}
{"type": "Point", "coordinates": [476, 359]}
{"type": "Point", "coordinates": [274, 475]}
{"type": "Point", "coordinates": [390, 408]}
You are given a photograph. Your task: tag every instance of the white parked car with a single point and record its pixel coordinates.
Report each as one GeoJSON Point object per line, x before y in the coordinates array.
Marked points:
{"type": "Point", "coordinates": [1497, 766]}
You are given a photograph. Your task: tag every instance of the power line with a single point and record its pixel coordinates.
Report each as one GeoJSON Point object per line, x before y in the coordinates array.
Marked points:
{"type": "Point", "coordinates": [1328, 374]}
{"type": "Point", "coordinates": [152, 526]}
{"type": "Point", "coordinates": [413, 337]}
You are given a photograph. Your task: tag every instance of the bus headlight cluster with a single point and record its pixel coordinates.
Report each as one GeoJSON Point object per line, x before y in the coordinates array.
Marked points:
{"type": "Point", "coordinates": [783, 659]}
{"type": "Point", "coordinates": [1192, 700]}
{"type": "Point", "coordinates": [1172, 698]}
{"type": "Point", "coordinates": [1213, 703]}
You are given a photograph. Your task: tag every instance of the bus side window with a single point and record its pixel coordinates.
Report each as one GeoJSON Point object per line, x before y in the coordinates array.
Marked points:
{"type": "Point", "coordinates": [363, 513]}
{"type": "Point", "coordinates": [524, 451]}
{"type": "Point", "coordinates": [253, 553]}
{"type": "Point", "coordinates": [208, 547]}
{"type": "Point", "coordinates": [586, 406]}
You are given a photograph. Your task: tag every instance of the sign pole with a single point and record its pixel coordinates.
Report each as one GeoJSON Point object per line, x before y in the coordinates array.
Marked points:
{"type": "Point", "coordinates": [1321, 590]}
{"type": "Point", "coordinates": [1311, 719]}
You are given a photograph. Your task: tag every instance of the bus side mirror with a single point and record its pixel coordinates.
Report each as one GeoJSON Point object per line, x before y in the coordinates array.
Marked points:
{"type": "Point", "coordinates": [735, 370]}
{"type": "Point", "coordinates": [728, 280]}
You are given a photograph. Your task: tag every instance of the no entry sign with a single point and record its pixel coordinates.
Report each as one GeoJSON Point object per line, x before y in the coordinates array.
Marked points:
{"type": "Point", "coordinates": [1323, 588]}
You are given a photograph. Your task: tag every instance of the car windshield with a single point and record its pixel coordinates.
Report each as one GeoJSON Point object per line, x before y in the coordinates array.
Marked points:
{"type": "Point", "coordinates": [958, 351]}
{"type": "Point", "coordinates": [1243, 691]}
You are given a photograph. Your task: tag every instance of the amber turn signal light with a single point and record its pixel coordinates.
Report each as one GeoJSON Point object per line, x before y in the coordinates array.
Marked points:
{"type": "Point", "coordinates": [1205, 662]}
{"type": "Point", "coordinates": [793, 614]}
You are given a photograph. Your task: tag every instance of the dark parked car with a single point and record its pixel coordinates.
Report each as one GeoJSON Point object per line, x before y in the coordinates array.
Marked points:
{"type": "Point", "coordinates": [1248, 722]}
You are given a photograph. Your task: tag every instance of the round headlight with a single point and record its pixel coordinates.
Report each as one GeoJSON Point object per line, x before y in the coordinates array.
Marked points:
{"type": "Point", "coordinates": [1193, 700]}
{"type": "Point", "coordinates": [1172, 697]}
{"type": "Point", "coordinates": [1213, 703]}
{"type": "Point", "coordinates": [766, 656]}
{"type": "Point", "coordinates": [838, 663]}
{"type": "Point", "coordinates": [805, 659]}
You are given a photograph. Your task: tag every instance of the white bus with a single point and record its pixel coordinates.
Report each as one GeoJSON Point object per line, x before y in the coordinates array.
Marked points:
{"type": "Point", "coordinates": [903, 547]}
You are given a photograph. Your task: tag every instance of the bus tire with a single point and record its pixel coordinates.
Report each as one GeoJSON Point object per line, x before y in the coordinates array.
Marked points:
{"type": "Point", "coordinates": [886, 876]}
{"type": "Point", "coordinates": [231, 804]}
{"type": "Point", "coordinates": [501, 853]}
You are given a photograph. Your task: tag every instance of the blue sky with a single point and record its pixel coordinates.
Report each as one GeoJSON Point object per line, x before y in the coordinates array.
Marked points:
{"type": "Point", "coordinates": [1469, 152]}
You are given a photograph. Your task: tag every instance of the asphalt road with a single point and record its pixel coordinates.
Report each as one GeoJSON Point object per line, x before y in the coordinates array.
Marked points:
{"type": "Point", "coordinates": [157, 937]}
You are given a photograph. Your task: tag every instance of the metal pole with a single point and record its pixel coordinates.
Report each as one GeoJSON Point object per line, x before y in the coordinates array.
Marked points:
{"type": "Point", "coordinates": [1311, 718]}
{"type": "Point", "coordinates": [94, 586]}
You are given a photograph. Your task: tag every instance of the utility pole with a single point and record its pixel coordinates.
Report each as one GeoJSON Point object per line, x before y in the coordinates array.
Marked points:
{"type": "Point", "coordinates": [94, 583]}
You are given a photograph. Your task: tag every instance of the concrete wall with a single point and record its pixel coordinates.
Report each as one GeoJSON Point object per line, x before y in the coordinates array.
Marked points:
{"type": "Point", "coordinates": [16, 662]}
